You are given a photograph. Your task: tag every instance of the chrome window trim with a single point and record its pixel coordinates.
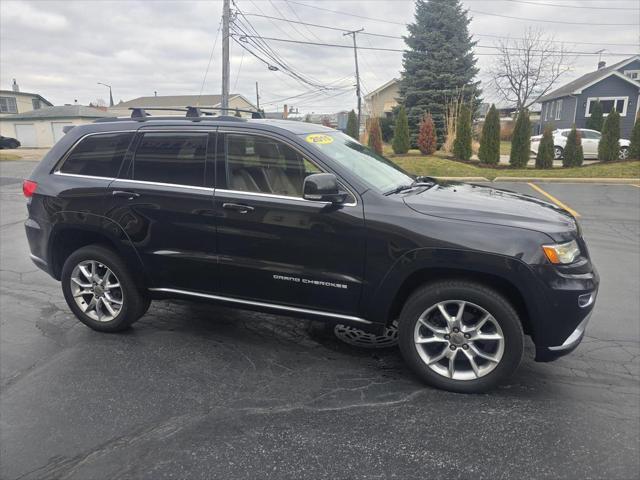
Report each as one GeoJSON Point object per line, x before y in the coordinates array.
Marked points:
{"type": "Point", "coordinates": [78, 175]}
{"type": "Point", "coordinates": [271, 195]}
{"type": "Point", "coordinates": [232, 131]}
{"type": "Point", "coordinates": [262, 304]}
{"type": "Point", "coordinates": [162, 184]}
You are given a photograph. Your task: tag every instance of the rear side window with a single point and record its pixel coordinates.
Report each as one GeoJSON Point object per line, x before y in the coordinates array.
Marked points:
{"type": "Point", "coordinates": [177, 158]}
{"type": "Point", "coordinates": [98, 155]}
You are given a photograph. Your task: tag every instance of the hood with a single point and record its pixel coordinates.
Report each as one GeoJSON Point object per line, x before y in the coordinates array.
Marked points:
{"type": "Point", "coordinates": [474, 203]}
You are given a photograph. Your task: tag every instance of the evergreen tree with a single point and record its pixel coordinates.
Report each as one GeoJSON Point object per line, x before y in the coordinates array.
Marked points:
{"type": "Point", "coordinates": [544, 157]}
{"type": "Point", "coordinates": [572, 154]}
{"type": "Point", "coordinates": [521, 141]}
{"type": "Point", "coordinates": [462, 143]}
{"type": "Point", "coordinates": [438, 64]}
{"type": "Point", "coordinates": [375, 136]}
{"type": "Point", "coordinates": [594, 122]}
{"type": "Point", "coordinates": [386, 126]}
{"type": "Point", "coordinates": [352, 125]}
{"type": "Point", "coordinates": [634, 148]}
{"type": "Point", "coordinates": [401, 135]}
{"type": "Point", "coordinates": [489, 152]}
{"type": "Point", "coordinates": [427, 142]}
{"type": "Point", "coordinates": [609, 146]}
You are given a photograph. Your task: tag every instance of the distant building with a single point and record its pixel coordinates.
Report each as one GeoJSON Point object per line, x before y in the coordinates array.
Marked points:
{"type": "Point", "coordinates": [14, 101]}
{"type": "Point", "coordinates": [617, 86]}
{"type": "Point", "coordinates": [43, 127]}
{"type": "Point", "coordinates": [382, 101]}
{"type": "Point", "coordinates": [181, 101]}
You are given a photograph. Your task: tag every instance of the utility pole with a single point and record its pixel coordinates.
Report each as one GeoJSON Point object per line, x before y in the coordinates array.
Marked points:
{"type": "Point", "coordinates": [257, 98]}
{"type": "Point", "coordinates": [226, 16]}
{"type": "Point", "coordinates": [355, 52]}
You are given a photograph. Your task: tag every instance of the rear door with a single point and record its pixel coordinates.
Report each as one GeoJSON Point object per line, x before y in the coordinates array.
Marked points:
{"type": "Point", "coordinates": [164, 204]}
{"type": "Point", "coordinates": [590, 141]}
{"type": "Point", "coordinates": [274, 246]}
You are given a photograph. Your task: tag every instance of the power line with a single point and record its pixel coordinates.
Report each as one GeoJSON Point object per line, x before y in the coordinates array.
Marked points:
{"type": "Point", "coordinates": [580, 7]}
{"type": "Point", "coordinates": [541, 20]}
{"type": "Point", "coordinates": [213, 49]}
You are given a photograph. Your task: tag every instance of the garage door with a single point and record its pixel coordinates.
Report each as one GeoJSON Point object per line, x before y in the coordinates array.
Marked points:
{"type": "Point", "coordinates": [57, 129]}
{"type": "Point", "coordinates": [26, 134]}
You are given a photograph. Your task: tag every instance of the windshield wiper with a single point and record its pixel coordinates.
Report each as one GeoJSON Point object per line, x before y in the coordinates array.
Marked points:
{"type": "Point", "coordinates": [400, 188]}
{"type": "Point", "coordinates": [418, 182]}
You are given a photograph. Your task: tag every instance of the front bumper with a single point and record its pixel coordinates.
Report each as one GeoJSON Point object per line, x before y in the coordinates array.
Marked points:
{"type": "Point", "coordinates": [548, 354]}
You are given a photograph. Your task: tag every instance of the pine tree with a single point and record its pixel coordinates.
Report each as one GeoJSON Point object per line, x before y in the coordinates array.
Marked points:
{"type": "Point", "coordinates": [572, 154]}
{"type": "Point", "coordinates": [634, 148]}
{"type": "Point", "coordinates": [594, 122]}
{"type": "Point", "coordinates": [521, 141]}
{"type": "Point", "coordinates": [489, 152]}
{"type": "Point", "coordinates": [352, 126]}
{"type": "Point", "coordinates": [438, 64]}
{"type": "Point", "coordinates": [427, 141]}
{"type": "Point", "coordinates": [462, 143]}
{"type": "Point", "coordinates": [375, 136]}
{"type": "Point", "coordinates": [544, 157]}
{"type": "Point", "coordinates": [401, 135]}
{"type": "Point", "coordinates": [609, 146]}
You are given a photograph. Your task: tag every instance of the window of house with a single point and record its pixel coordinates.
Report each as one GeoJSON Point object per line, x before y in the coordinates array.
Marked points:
{"type": "Point", "coordinates": [608, 104]}
{"type": "Point", "coordinates": [36, 103]}
{"type": "Point", "coordinates": [8, 105]}
{"type": "Point", "coordinates": [176, 158]}
{"type": "Point", "coordinates": [558, 109]}
{"type": "Point", "coordinates": [634, 74]}
{"type": "Point", "coordinates": [98, 155]}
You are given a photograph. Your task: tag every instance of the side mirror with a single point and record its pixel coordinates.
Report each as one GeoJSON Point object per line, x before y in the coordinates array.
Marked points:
{"type": "Point", "coordinates": [323, 187]}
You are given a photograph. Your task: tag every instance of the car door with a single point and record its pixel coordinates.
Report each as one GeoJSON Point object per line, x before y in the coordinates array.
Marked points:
{"type": "Point", "coordinates": [274, 246]}
{"type": "Point", "coordinates": [590, 141]}
{"type": "Point", "coordinates": [164, 204]}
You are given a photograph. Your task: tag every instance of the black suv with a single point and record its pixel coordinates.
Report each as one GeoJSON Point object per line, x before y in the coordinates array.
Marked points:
{"type": "Point", "coordinates": [299, 219]}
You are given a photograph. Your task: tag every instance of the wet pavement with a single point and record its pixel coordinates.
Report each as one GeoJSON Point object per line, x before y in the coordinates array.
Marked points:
{"type": "Point", "coordinates": [197, 391]}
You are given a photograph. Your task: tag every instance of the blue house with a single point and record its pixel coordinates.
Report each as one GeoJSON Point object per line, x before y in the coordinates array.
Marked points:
{"type": "Point", "coordinates": [617, 86]}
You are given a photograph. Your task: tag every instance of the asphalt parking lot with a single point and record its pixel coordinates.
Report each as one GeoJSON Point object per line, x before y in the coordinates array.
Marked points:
{"type": "Point", "coordinates": [195, 391]}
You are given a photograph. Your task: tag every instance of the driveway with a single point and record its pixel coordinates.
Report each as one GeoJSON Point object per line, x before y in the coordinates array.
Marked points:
{"type": "Point", "coordinates": [195, 391]}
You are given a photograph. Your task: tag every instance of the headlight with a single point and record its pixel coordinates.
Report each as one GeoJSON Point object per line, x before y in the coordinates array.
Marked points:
{"type": "Point", "coordinates": [562, 253]}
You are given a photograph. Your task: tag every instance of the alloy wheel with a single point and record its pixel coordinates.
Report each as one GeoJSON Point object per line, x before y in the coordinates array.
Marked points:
{"type": "Point", "coordinates": [459, 340]}
{"type": "Point", "coordinates": [96, 290]}
{"type": "Point", "coordinates": [624, 153]}
{"type": "Point", "coordinates": [557, 153]}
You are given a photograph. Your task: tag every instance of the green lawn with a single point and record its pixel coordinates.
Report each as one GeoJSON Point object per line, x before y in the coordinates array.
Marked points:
{"type": "Point", "coordinates": [440, 167]}
{"type": "Point", "coordinates": [8, 156]}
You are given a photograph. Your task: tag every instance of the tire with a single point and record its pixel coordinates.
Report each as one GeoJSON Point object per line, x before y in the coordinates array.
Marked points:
{"type": "Point", "coordinates": [558, 152]}
{"type": "Point", "coordinates": [422, 309]}
{"type": "Point", "coordinates": [96, 259]}
{"type": "Point", "coordinates": [624, 153]}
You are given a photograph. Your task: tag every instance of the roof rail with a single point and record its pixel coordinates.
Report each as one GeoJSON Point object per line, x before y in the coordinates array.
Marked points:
{"type": "Point", "coordinates": [191, 112]}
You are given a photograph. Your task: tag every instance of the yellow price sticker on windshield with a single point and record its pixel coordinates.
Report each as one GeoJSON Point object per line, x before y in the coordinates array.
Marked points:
{"type": "Point", "coordinates": [319, 139]}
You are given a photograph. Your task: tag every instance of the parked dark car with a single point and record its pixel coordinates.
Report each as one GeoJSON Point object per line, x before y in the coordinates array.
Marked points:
{"type": "Point", "coordinates": [8, 142]}
{"type": "Point", "coordinates": [299, 219]}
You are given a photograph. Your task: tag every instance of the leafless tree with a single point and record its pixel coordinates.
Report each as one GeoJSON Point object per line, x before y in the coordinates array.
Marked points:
{"type": "Point", "coordinates": [528, 67]}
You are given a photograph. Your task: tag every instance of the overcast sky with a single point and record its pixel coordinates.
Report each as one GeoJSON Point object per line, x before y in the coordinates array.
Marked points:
{"type": "Point", "coordinates": [61, 49]}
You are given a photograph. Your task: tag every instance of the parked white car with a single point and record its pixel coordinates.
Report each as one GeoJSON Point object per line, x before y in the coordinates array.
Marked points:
{"type": "Point", "coordinates": [590, 141]}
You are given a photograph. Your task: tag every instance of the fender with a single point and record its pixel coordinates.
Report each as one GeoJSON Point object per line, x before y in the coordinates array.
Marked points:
{"type": "Point", "coordinates": [443, 260]}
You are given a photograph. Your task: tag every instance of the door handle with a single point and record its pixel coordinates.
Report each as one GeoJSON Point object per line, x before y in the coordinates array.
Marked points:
{"type": "Point", "coordinates": [238, 207]}
{"type": "Point", "coordinates": [124, 193]}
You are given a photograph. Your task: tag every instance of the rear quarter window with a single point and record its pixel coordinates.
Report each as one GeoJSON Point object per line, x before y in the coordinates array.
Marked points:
{"type": "Point", "coordinates": [98, 155]}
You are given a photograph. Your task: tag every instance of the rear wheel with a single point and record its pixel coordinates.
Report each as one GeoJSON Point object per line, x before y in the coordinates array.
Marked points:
{"type": "Point", "coordinates": [100, 290]}
{"type": "Point", "coordinates": [624, 153]}
{"type": "Point", "coordinates": [557, 152]}
{"type": "Point", "coordinates": [460, 336]}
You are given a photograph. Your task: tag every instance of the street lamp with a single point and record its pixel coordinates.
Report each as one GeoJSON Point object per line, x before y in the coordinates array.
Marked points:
{"type": "Point", "coordinates": [110, 94]}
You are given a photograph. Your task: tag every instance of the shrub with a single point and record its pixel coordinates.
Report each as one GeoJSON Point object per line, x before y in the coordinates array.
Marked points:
{"type": "Point", "coordinates": [462, 143]}
{"type": "Point", "coordinates": [594, 122]}
{"type": "Point", "coordinates": [489, 152]}
{"type": "Point", "coordinates": [573, 155]}
{"type": "Point", "coordinates": [375, 136]}
{"type": "Point", "coordinates": [544, 157]}
{"type": "Point", "coordinates": [609, 146]}
{"type": "Point", "coordinates": [634, 148]}
{"type": "Point", "coordinates": [401, 135]}
{"type": "Point", "coordinates": [386, 127]}
{"type": "Point", "coordinates": [521, 142]}
{"type": "Point", "coordinates": [352, 125]}
{"type": "Point", "coordinates": [427, 141]}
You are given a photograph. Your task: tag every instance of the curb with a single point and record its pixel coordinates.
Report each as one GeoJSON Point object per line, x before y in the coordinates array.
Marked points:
{"type": "Point", "coordinates": [568, 180]}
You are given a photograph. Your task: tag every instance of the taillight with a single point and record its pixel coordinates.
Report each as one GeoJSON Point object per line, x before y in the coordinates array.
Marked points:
{"type": "Point", "coordinates": [29, 188]}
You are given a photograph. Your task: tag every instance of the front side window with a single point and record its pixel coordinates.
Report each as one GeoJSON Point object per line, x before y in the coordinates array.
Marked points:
{"type": "Point", "coordinates": [176, 158]}
{"type": "Point", "coordinates": [8, 105]}
{"type": "Point", "coordinates": [98, 155]}
{"type": "Point", "coordinates": [373, 169]}
{"type": "Point", "coordinates": [265, 165]}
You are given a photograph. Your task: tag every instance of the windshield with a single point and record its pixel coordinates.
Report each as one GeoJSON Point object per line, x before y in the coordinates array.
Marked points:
{"type": "Point", "coordinates": [375, 170]}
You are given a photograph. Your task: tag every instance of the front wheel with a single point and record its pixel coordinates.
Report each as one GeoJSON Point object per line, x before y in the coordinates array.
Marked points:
{"type": "Point", "coordinates": [557, 153]}
{"type": "Point", "coordinates": [624, 153]}
{"type": "Point", "coordinates": [460, 336]}
{"type": "Point", "coordinates": [100, 290]}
